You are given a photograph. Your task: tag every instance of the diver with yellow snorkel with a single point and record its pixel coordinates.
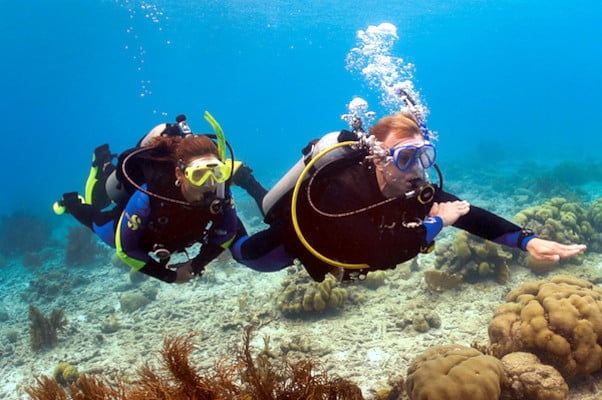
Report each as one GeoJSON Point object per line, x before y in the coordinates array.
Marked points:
{"type": "Point", "coordinates": [356, 203]}
{"type": "Point", "coordinates": [170, 192]}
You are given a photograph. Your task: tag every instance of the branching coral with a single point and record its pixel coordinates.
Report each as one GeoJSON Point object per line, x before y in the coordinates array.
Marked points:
{"type": "Point", "coordinates": [82, 246]}
{"type": "Point", "coordinates": [43, 331]}
{"type": "Point", "coordinates": [302, 296]}
{"type": "Point", "coordinates": [558, 320]}
{"type": "Point", "coordinates": [267, 379]}
{"type": "Point", "coordinates": [246, 377]}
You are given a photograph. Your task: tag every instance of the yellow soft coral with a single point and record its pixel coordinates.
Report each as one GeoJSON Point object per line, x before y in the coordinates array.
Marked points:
{"type": "Point", "coordinates": [559, 320]}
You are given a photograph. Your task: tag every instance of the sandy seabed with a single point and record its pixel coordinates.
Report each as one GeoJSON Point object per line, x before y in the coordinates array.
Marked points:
{"type": "Point", "coordinates": [360, 341]}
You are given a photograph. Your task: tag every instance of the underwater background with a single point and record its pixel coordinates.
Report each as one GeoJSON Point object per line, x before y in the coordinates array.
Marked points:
{"type": "Point", "coordinates": [504, 81]}
{"type": "Point", "coordinates": [512, 89]}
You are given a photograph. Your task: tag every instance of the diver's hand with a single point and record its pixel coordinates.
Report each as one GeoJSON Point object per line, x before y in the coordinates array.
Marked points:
{"type": "Point", "coordinates": [183, 272]}
{"type": "Point", "coordinates": [547, 250]}
{"type": "Point", "coordinates": [449, 211]}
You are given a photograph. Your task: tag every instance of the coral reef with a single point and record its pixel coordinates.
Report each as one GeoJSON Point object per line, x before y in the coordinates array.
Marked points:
{"type": "Point", "coordinates": [559, 320]}
{"type": "Point", "coordinates": [34, 260]}
{"type": "Point", "coordinates": [43, 331]}
{"type": "Point", "coordinates": [439, 281]}
{"type": "Point", "coordinates": [594, 216]}
{"type": "Point", "coordinates": [416, 314]}
{"type": "Point", "coordinates": [527, 378]}
{"type": "Point", "coordinates": [446, 372]}
{"type": "Point", "coordinates": [50, 284]}
{"type": "Point", "coordinates": [137, 277]}
{"type": "Point", "coordinates": [374, 279]}
{"type": "Point", "coordinates": [65, 373]}
{"type": "Point", "coordinates": [22, 232]}
{"type": "Point", "coordinates": [4, 316]}
{"type": "Point", "coordinates": [132, 301]}
{"type": "Point", "coordinates": [303, 296]}
{"type": "Point", "coordinates": [82, 247]}
{"type": "Point", "coordinates": [559, 220]}
{"type": "Point", "coordinates": [12, 336]}
{"type": "Point", "coordinates": [110, 324]}
{"type": "Point", "coordinates": [246, 377]}
{"type": "Point", "coordinates": [564, 177]}
{"type": "Point", "coordinates": [468, 258]}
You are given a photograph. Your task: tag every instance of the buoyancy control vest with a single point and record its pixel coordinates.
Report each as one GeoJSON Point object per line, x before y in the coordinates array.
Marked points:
{"type": "Point", "coordinates": [282, 190]}
{"type": "Point", "coordinates": [174, 223]}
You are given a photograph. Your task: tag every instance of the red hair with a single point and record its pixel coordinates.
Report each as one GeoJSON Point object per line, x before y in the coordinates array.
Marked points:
{"type": "Point", "coordinates": [194, 146]}
{"type": "Point", "coordinates": [184, 150]}
{"type": "Point", "coordinates": [401, 125]}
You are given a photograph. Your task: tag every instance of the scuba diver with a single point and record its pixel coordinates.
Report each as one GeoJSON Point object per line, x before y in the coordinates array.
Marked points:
{"type": "Point", "coordinates": [169, 192]}
{"type": "Point", "coordinates": [357, 203]}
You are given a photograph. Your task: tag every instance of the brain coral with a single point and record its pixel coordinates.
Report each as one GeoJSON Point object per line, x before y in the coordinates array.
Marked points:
{"type": "Point", "coordinates": [450, 372]}
{"type": "Point", "coordinates": [559, 320]}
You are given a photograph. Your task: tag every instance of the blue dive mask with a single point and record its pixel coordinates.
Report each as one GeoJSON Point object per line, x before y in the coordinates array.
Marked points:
{"type": "Point", "coordinates": [406, 156]}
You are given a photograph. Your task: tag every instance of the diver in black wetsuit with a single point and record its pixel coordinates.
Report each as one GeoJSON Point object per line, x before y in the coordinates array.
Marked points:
{"type": "Point", "coordinates": [373, 208]}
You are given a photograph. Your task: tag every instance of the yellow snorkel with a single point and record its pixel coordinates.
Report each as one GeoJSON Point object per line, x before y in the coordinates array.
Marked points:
{"type": "Point", "coordinates": [221, 151]}
{"type": "Point", "coordinates": [219, 134]}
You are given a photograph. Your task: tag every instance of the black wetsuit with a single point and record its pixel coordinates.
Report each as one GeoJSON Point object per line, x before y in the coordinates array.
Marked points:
{"type": "Point", "coordinates": [382, 236]}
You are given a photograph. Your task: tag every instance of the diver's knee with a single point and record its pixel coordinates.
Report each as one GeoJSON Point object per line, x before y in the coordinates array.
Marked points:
{"type": "Point", "coordinates": [273, 260]}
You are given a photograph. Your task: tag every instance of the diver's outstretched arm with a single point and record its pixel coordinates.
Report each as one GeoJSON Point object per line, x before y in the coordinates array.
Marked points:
{"type": "Point", "coordinates": [243, 177]}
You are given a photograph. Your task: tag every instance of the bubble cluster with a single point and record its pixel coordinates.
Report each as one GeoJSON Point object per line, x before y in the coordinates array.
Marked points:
{"type": "Point", "coordinates": [391, 76]}
{"type": "Point", "coordinates": [147, 12]}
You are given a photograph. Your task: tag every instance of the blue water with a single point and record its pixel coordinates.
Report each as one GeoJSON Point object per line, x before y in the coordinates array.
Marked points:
{"type": "Point", "coordinates": [518, 79]}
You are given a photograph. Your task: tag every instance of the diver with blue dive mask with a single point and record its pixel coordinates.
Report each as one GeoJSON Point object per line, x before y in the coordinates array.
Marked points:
{"type": "Point", "coordinates": [366, 203]}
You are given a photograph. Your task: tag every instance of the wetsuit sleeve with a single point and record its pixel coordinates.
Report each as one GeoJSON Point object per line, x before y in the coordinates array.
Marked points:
{"type": "Point", "coordinates": [488, 225]}
{"type": "Point", "coordinates": [263, 251]}
{"type": "Point", "coordinates": [220, 238]}
{"type": "Point", "coordinates": [433, 226]}
{"type": "Point", "coordinates": [134, 219]}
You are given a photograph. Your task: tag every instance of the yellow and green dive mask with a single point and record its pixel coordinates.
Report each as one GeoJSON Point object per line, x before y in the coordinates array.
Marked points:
{"type": "Point", "coordinates": [203, 171]}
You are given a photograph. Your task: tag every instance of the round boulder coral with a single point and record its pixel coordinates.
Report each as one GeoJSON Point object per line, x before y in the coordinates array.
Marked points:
{"type": "Point", "coordinates": [559, 320]}
{"type": "Point", "coordinates": [528, 379]}
{"type": "Point", "coordinates": [450, 372]}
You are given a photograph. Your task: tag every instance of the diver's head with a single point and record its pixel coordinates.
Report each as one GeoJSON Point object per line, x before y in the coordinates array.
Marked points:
{"type": "Point", "coordinates": [396, 126]}
{"type": "Point", "coordinates": [199, 169]}
{"type": "Point", "coordinates": [407, 155]}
